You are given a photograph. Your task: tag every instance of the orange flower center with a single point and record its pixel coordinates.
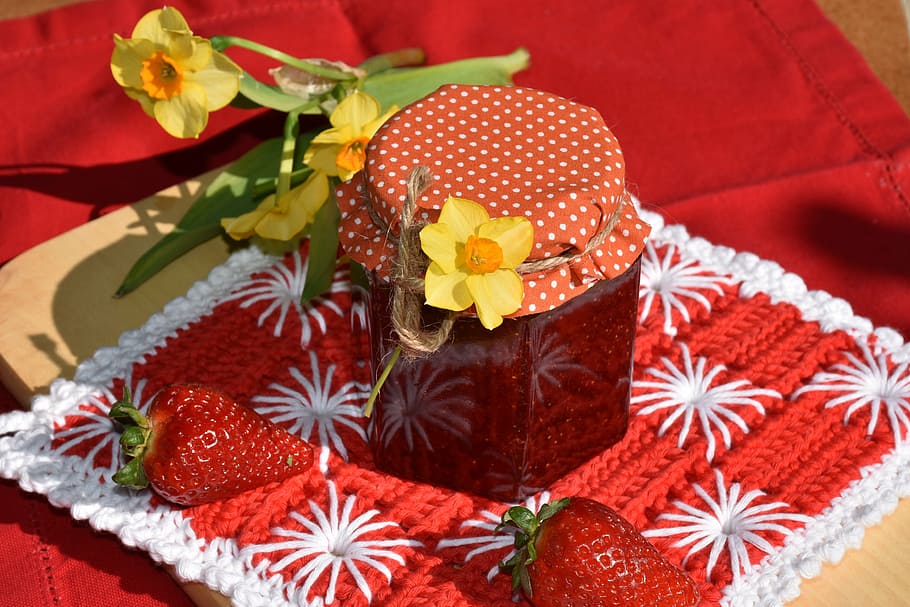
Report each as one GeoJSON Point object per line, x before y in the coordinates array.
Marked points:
{"type": "Point", "coordinates": [353, 154]}
{"type": "Point", "coordinates": [161, 78]}
{"type": "Point", "coordinates": [482, 255]}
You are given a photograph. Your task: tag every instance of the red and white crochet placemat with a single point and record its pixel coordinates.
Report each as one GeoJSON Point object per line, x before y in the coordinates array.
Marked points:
{"type": "Point", "coordinates": [768, 429]}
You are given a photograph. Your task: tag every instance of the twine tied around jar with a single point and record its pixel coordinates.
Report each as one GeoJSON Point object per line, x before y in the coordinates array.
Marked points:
{"type": "Point", "coordinates": [407, 279]}
{"type": "Point", "coordinates": [407, 274]}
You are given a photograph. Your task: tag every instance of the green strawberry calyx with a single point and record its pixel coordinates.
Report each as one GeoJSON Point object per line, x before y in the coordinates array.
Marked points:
{"type": "Point", "coordinates": [527, 529]}
{"type": "Point", "coordinates": [134, 441]}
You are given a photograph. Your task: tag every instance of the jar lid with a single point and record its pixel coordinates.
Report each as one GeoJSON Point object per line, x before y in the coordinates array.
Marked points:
{"type": "Point", "coordinates": [515, 151]}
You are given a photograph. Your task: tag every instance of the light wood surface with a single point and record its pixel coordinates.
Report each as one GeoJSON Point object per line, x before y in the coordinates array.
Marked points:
{"type": "Point", "coordinates": [56, 306]}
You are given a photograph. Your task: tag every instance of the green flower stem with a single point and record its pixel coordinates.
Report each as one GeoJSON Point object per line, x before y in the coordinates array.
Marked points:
{"type": "Point", "coordinates": [374, 393]}
{"type": "Point", "coordinates": [405, 57]}
{"type": "Point", "coordinates": [222, 42]}
{"type": "Point", "coordinates": [286, 165]}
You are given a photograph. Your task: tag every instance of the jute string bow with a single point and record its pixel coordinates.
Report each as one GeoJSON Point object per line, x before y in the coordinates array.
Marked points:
{"type": "Point", "coordinates": [407, 274]}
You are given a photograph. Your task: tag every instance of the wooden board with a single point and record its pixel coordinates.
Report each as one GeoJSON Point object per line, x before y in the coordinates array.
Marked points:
{"type": "Point", "coordinates": [58, 305]}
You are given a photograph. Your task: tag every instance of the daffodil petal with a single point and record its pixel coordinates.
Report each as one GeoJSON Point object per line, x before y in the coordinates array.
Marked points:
{"type": "Point", "coordinates": [297, 209]}
{"type": "Point", "coordinates": [188, 51]}
{"type": "Point", "coordinates": [437, 241]}
{"type": "Point", "coordinates": [147, 103]}
{"type": "Point", "coordinates": [370, 128]}
{"type": "Point", "coordinates": [244, 226]}
{"type": "Point", "coordinates": [127, 58]}
{"type": "Point", "coordinates": [154, 25]}
{"type": "Point", "coordinates": [484, 296]}
{"type": "Point", "coordinates": [446, 290]}
{"type": "Point", "coordinates": [510, 290]}
{"type": "Point", "coordinates": [345, 175]}
{"type": "Point", "coordinates": [282, 226]}
{"type": "Point", "coordinates": [183, 115]}
{"type": "Point", "coordinates": [356, 110]}
{"type": "Point", "coordinates": [462, 216]}
{"type": "Point", "coordinates": [311, 194]}
{"type": "Point", "coordinates": [220, 79]}
{"type": "Point", "coordinates": [173, 20]}
{"type": "Point", "coordinates": [514, 234]}
{"type": "Point", "coordinates": [338, 135]}
{"type": "Point", "coordinates": [322, 157]}
{"type": "Point", "coordinates": [495, 294]}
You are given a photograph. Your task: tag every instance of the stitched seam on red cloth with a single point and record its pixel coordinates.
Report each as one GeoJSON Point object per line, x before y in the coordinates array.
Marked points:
{"type": "Point", "coordinates": [44, 557]}
{"type": "Point", "coordinates": [831, 100]}
{"type": "Point", "coordinates": [37, 50]}
{"type": "Point", "coordinates": [259, 10]}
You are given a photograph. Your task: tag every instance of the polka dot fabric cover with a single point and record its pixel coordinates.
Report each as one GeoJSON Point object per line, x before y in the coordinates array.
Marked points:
{"type": "Point", "coordinates": [517, 151]}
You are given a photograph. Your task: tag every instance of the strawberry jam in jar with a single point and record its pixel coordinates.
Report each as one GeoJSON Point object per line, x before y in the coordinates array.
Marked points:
{"type": "Point", "coordinates": [497, 408]}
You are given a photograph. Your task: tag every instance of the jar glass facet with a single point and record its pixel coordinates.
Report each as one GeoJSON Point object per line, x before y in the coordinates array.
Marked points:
{"type": "Point", "coordinates": [504, 413]}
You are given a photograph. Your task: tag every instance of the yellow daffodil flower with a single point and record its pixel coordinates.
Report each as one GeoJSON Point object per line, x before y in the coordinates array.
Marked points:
{"type": "Point", "coordinates": [175, 76]}
{"type": "Point", "coordinates": [473, 260]}
{"type": "Point", "coordinates": [286, 218]}
{"type": "Point", "coordinates": [341, 149]}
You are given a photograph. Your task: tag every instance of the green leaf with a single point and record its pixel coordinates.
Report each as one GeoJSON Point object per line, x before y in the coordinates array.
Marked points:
{"type": "Point", "coordinates": [271, 96]}
{"type": "Point", "coordinates": [127, 414]}
{"type": "Point", "coordinates": [403, 86]}
{"type": "Point", "coordinates": [133, 440]}
{"type": "Point", "coordinates": [400, 58]}
{"type": "Point", "coordinates": [132, 475]}
{"type": "Point", "coordinates": [231, 193]}
{"type": "Point", "coordinates": [548, 510]}
{"type": "Point", "coordinates": [524, 580]}
{"type": "Point", "coordinates": [520, 517]}
{"type": "Point", "coordinates": [359, 275]}
{"type": "Point", "coordinates": [323, 254]}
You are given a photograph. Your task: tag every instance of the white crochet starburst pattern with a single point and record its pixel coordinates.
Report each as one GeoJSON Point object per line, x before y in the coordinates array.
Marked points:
{"type": "Point", "coordinates": [95, 425]}
{"type": "Point", "coordinates": [316, 405]}
{"type": "Point", "coordinates": [283, 286]}
{"type": "Point", "coordinates": [552, 359]}
{"type": "Point", "coordinates": [332, 540]}
{"type": "Point", "coordinates": [688, 393]}
{"type": "Point", "coordinates": [360, 303]}
{"type": "Point", "coordinates": [868, 383]}
{"type": "Point", "coordinates": [512, 477]}
{"type": "Point", "coordinates": [731, 521]}
{"type": "Point", "coordinates": [411, 405]}
{"type": "Point", "coordinates": [490, 539]}
{"type": "Point", "coordinates": [671, 281]}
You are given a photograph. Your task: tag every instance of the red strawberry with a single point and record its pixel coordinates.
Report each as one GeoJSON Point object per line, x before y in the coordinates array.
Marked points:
{"type": "Point", "coordinates": [579, 553]}
{"type": "Point", "coordinates": [198, 445]}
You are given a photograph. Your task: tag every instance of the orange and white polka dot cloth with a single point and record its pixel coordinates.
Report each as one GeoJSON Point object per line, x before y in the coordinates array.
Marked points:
{"type": "Point", "coordinates": [516, 151]}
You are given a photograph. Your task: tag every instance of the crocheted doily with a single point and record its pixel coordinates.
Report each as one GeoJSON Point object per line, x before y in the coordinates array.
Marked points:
{"type": "Point", "coordinates": [768, 429]}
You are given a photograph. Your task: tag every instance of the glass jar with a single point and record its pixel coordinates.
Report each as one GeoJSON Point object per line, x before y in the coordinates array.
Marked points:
{"type": "Point", "coordinates": [504, 412]}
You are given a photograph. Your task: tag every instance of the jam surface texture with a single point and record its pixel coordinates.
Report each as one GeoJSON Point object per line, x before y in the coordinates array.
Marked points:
{"type": "Point", "coordinates": [504, 413]}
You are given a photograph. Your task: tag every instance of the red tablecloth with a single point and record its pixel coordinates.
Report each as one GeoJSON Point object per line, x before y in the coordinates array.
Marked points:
{"type": "Point", "coordinates": [754, 124]}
